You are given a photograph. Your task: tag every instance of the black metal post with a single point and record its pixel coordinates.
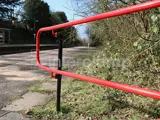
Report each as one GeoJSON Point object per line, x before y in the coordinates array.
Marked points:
{"type": "Point", "coordinates": [58, 76]}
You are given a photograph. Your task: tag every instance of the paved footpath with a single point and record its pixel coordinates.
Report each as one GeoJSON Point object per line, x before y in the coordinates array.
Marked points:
{"type": "Point", "coordinates": [18, 72]}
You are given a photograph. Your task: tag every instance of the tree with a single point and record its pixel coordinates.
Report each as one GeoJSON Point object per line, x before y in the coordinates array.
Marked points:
{"type": "Point", "coordinates": [69, 34]}
{"type": "Point", "coordinates": [55, 18]}
{"type": "Point", "coordinates": [7, 7]}
{"type": "Point", "coordinates": [58, 17]}
{"type": "Point", "coordinates": [62, 16]}
{"type": "Point", "coordinates": [37, 10]}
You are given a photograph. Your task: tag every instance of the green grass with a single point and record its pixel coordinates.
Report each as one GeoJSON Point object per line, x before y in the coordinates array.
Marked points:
{"type": "Point", "coordinates": [38, 88]}
{"type": "Point", "coordinates": [87, 101]}
{"type": "Point", "coordinates": [65, 68]}
{"type": "Point", "coordinates": [84, 101]}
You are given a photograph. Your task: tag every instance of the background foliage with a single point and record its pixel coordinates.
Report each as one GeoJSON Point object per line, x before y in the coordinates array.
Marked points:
{"type": "Point", "coordinates": [25, 18]}
{"type": "Point", "coordinates": [129, 52]}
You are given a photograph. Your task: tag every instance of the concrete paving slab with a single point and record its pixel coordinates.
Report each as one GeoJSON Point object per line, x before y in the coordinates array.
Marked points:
{"type": "Point", "coordinates": [2, 113]}
{"type": "Point", "coordinates": [19, 71]}
{"type": "Point", "coordinates": [13, 116]}
{"type": "Point", "coordinates": [48, 86]}
{"type": "Point", "coordinates": [28, 101]}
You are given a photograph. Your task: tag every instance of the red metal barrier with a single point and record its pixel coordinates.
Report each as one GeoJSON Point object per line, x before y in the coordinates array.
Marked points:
{"type": "Point", "coordinates": [120, 86]}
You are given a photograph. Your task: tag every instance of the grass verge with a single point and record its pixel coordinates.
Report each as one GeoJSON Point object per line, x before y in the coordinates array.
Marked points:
{"type": "Point", "coordinates": [38, 87]}
{"type": "Point", "coordinates": [86, 101]}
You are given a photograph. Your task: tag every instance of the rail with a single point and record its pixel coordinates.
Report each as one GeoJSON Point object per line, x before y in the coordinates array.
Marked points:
{"type": "Point", "coordinates": [124, 87]}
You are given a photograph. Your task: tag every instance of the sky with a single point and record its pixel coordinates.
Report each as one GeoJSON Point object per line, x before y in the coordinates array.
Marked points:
{"type": "Point", "coordinates": [62, 5]}
{"type": "Point", "coordinates": [67, 7]}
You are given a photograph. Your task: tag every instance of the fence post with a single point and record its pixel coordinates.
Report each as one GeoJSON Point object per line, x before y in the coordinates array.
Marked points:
{"type": "Point", "coordinates": [58, 76]}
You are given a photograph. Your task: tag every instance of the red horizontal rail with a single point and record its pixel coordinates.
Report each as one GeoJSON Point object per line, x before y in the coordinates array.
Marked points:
{"type": "Point", "coordinates": [124, 87]}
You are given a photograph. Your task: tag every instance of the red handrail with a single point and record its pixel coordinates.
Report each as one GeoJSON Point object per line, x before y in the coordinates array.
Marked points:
{"type": "Point", "coordinates": [124, 87]}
